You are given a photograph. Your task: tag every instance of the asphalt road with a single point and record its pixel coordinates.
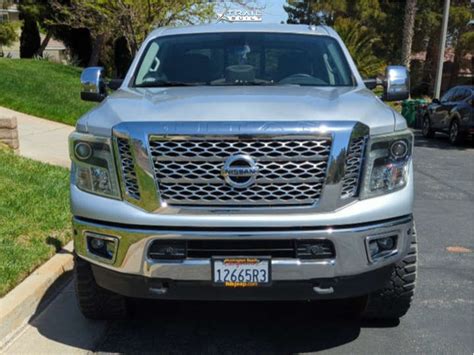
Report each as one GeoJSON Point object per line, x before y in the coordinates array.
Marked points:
{"type": "Point", "coordinates": [441, 319]}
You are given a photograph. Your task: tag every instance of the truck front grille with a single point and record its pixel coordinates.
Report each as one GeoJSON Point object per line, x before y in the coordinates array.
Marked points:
{"type": "Point", "coordinates": [354, 160]}
{"type": "Point", "coordinates": [129, 175]}
{"type": "Point", "coordinates": [290, 171]}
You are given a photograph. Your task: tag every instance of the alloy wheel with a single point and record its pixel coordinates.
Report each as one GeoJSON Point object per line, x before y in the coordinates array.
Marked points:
{"type": "Point", "coordinates": [454, 132]}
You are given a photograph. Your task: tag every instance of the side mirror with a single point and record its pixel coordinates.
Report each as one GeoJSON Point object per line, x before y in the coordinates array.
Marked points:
{"type": "Point", "coordinates": [397, 83]}
{"type": "Point", "coordinates": [436, 101]}
{"type": "Point", "coordinates": [93, 84]}
{"type": "Point", "coordinates": [371, 84]}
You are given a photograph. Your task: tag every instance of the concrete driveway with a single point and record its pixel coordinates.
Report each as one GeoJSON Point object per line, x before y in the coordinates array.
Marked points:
{"type": "Point", "coordinates": [440, 321]}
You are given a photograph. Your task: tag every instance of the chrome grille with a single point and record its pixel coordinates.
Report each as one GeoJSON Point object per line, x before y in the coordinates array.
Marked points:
{"type": "Point", "coordinates": [291, 172]}
{"type": "Point", "coordinates": [353, 165]}
{"type": "Point", "coordinates": [128, 168]}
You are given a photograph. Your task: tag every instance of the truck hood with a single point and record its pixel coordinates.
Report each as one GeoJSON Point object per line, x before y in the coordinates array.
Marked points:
{"type": "Point", "coordinates": [243, 103]}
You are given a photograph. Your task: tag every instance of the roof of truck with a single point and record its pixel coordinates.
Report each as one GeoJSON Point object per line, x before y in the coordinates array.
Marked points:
{"type": "Point", "coordinates": [243, 27]}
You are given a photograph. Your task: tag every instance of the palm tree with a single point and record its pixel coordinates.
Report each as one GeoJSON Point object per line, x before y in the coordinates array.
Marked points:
{"type": "Point", "coordinates": [408, 30]}
{"type": "Point", "coordinates": [360, 41]}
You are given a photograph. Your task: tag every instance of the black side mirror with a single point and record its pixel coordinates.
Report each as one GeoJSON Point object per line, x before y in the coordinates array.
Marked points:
{"type": "Point", "coordinates": [115, 84]}
{"type": "Point", "coordinates": [371, 83]}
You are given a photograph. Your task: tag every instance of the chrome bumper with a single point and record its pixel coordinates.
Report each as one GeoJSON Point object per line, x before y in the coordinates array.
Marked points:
{"type": "Point", "coordinates": [349, 242]}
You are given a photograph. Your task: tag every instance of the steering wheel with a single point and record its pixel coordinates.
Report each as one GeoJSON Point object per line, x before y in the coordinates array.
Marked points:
{"type": "Point", "coordinates": [294, 77]}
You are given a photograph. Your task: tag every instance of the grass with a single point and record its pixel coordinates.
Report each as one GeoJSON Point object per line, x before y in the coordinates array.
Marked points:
{"type": "Point", "coordinates": [34, 216]}
{"type": "Point", "coordinates": [42, 89]}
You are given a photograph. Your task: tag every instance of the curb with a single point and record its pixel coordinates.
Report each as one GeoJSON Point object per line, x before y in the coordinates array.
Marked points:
{"type": "Point", "coordinates": [21, 303]}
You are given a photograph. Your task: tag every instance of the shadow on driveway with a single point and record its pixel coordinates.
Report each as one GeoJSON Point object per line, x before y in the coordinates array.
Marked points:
{"type": "Point", "coordinates": [440, 141]}
{"type": "Point", "coordinates": [203, 327]}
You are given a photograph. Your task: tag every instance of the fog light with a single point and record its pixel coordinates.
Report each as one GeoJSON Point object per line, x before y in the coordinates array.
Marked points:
{"type": "Point", "coordinates": [385, 243]}
{"type": "Point", "coordinates": [381, 247]}
{"type": "Point", "coordinates": [97, 243]}
{"type": "Point", "coordinates": [102, 246]}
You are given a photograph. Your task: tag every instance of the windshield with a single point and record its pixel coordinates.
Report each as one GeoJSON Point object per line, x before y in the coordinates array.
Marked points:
{"type": "Point", "coordinates": [243, 59]}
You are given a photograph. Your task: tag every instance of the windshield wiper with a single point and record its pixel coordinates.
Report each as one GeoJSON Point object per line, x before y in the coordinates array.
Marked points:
{"type": "Point", "coordinates": [164, 83]}
{"type": "Point", "coordinates": [247, 83]}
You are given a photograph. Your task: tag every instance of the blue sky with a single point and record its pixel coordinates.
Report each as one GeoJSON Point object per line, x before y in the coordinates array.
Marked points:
{"type": "Point", "coordinates": [274, 12]}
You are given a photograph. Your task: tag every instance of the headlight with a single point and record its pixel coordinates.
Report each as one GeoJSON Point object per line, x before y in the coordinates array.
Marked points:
{"type": "Point", "coordinates": [93, 165]}
{"type": "Point", "coordinates": [388, 160]}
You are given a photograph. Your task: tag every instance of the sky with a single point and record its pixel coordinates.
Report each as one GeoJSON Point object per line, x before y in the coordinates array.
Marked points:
{"type": "Point", "coordinates": [274, 12]}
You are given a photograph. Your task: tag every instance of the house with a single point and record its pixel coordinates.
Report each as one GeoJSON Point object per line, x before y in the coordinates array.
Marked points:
{"type": "Point", "coordinates": [55, 50]}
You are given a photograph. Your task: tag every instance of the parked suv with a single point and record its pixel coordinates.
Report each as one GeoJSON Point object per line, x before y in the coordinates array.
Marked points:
{"type": "Point", "coordinates": [243, 162]}
{"type": "Point", "coordinates": [453, 114]}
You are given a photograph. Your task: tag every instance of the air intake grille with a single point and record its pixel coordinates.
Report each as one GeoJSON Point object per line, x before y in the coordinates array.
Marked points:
{"type": "Point", "coordinates": [354, 159]}
{"type": "Point", "coordinates": [290, 172]}
{"type": "Point", "coordinates": [276, 248]}
{"type": "Point", "coordinates": [128, 169]}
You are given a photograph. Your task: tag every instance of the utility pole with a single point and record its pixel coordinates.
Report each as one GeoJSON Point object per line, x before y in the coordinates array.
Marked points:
{"type": "Point", "coordinates": [442, 44]}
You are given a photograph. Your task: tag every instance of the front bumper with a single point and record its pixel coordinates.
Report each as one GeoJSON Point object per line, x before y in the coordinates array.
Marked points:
{"type": "Point", "coordinates": [349, 241]}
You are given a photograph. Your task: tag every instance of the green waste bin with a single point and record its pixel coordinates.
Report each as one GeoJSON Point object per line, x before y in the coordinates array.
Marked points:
{"type": "Point", "coordinates": [410, 110]}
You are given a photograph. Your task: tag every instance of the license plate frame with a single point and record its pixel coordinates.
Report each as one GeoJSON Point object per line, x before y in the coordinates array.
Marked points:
{"type": "Point", "coordinates": [241, 261]}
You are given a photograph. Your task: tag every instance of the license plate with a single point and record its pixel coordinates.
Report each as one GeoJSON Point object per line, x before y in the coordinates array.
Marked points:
{"type": "Point", "coordinates": [241, 272]}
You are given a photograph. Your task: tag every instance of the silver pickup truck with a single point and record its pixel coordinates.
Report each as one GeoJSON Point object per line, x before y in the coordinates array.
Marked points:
{"type": "Point", "coordinates": [243, 162]}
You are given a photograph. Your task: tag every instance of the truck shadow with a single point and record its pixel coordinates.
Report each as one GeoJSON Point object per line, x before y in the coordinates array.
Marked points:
{"type": "Point", "coordinates": [202, 327]}
{"type": "Point", "coordinates": [234, 327]}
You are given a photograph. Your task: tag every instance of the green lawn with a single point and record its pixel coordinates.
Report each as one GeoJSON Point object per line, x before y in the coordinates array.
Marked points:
{"type": "Point", "coordinates": [42, 89]}
{"type": "Point", "coordinates": [34, 216]}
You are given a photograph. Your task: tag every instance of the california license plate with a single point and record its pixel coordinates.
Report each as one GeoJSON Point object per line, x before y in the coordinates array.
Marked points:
{"type": "Point", "coordinates": [241, 272]}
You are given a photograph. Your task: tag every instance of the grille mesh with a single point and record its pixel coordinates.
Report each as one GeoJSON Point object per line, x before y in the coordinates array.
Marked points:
{"type": "Point", "coordinates": [128, 169]}
{"type": "Point", "coordinates": [354, 160]}
{"type": "Point", "coordinates": [291, 172]}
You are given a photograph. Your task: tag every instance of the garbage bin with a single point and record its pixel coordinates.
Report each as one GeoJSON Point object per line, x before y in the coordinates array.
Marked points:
{"type": "Point", "coordinates": [411, 109]}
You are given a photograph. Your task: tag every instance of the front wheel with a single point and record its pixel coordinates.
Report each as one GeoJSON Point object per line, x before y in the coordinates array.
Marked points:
{"type": "Point", "coordinates": [455, 136]}
{"type": "Point", "coordinates": [94, 301]}
{"type": "Point", "coordinates": [393, 301]}
{"type": "Point", "coordinates": [427, 131]}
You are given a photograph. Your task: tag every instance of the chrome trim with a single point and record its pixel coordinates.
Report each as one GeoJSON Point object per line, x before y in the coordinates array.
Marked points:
{"type": "Point", "coordinates": [349, 243]}
{"type": "Point", "coordinates": [127, 168]}
{"type": "Point", "coordinates": [148, 200]}
{"type": "Point", "coordinates": [93, 84]}
{"type": "Point", "coordinates": [339, 132]}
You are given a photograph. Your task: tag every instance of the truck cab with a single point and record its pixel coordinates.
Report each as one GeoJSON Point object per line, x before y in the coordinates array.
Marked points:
{"type": "Point", "coordinates": [243, 162]}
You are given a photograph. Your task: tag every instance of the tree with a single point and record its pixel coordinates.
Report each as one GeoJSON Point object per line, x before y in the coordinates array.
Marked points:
{"type": "Point", "coordinates": [408, 31]}
{"type": "Point", "coordinates": [30, 40]}
{"type": "Point", "coordinates": [38, 11]}
{"type": "Point", "coordinates": [360, 41]}
{"type": "Point", "coordinates": [7, 33]}
{"type": "Point", "coordinates": [460, 36]}
{"type": "Point", "coordinates": [353, 20]}
{"type": "Point", "coordinates": [108, 20]}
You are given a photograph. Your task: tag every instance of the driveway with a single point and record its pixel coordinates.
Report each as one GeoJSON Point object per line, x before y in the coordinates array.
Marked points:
{"type": "Point", "coordinates": [440, 321]}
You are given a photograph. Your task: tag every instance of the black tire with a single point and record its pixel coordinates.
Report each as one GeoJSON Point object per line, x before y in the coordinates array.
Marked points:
{"type": "Point", "coordinates": [94, 301]}
{"type": "Point", "coordinates": [393, 301]}
{"type": "Point", "coordinates": [455, 136]}
{"type": "Point", "coordinates": [426, 130]}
